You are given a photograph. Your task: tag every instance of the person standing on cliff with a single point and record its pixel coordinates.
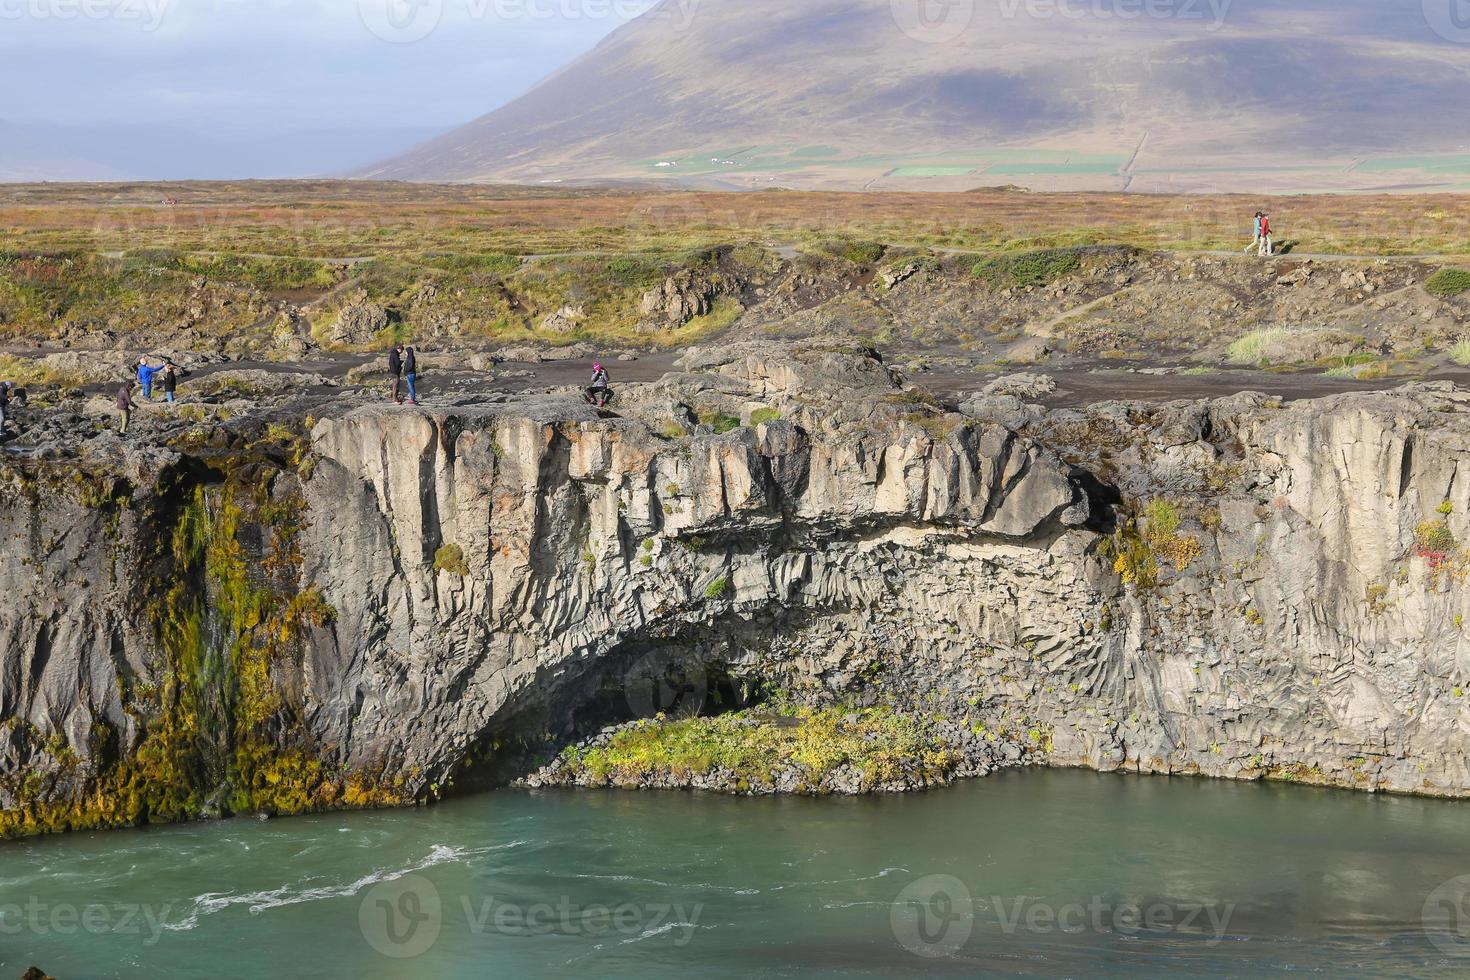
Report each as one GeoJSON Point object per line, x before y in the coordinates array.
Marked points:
{"type": "Point", "coordinates": [1266, 249]}
{"type": "Point", "coordinates": [125, 406]}
{"type": "Point", "coordinates": [411, 373]}
{"type": "Point", "coordinates": [171, 372]}
{"type": "Point", "coordinates": [5, 389]}
{"type": "Point", "coordinates": [145, 376]}
{"type": "Point", "coordinates": [395, 370]}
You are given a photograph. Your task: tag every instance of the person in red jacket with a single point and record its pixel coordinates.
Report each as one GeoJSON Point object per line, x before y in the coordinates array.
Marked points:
{"type": "Point", "coordinates": [1266, 249]}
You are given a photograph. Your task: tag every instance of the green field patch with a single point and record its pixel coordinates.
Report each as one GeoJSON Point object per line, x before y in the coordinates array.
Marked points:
{"type": "Point", "coordinates": [1104, 166]}
{"type": "Point", "coordinates": [931, 171]}
{"type": "Point", "coordinates": [1454, 163]}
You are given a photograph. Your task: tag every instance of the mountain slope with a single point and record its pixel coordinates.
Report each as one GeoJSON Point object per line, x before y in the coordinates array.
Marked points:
{"type": "Point", "coordinates": [838, 92]}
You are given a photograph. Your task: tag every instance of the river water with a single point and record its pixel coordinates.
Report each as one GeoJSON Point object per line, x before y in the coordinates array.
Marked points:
{"type": "Point", "coordinates": [1027, 873]}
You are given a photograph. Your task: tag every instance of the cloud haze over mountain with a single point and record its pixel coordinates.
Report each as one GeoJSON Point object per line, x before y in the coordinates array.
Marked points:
{"type": "Point", "coordinates": [265, 87]}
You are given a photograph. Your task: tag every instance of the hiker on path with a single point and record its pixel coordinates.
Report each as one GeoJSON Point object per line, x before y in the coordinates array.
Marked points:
{"type": "Point", "coordinates": [1255, 245]}
{"type": "Point", "coordinates": [125, 406]}
{"type": "Point", "coordinates": [1265, 236]}
{"type": "Point", "coordinates": [410, 373]}
{"type": "Point", "coordinates": [171, 375]}
{"type": "Point", "coordinates": [598, 393]}
{"type": "Point", "coordinates": [145, 376]}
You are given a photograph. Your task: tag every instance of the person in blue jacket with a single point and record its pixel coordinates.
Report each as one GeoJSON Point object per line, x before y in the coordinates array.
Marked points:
{"type": "Point", "coordinates": [145, 376]}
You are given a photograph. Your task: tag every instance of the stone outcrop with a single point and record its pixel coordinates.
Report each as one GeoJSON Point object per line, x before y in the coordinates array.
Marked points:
{"type": "Point", "coordinates": [404, 599]}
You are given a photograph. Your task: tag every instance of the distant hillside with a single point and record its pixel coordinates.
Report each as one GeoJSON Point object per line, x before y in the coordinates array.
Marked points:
{"type": "Point", "coordinates": [1268, 94]}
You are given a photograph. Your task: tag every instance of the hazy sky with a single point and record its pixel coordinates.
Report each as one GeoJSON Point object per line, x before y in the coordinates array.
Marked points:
{"type": "Point", "coordinates": [257, 67]}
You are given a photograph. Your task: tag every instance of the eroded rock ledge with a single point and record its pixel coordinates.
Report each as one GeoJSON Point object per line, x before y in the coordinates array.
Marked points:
{"type": "Point", "coordinates": [266, 618]}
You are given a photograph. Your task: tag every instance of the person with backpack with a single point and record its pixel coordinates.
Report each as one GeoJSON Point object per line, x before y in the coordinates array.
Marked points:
{"type": "Point", "coordinates": [1255, 245]}
{"type": "Point", "coordinates": [598, 392]}
{"type": "Point", "coordinates": [1265, 236]}
{"type": "Point", "coordinates": [411, 373]}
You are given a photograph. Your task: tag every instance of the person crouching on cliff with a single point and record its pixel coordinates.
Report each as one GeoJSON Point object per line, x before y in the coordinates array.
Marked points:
{"type": "Point", "coordinates": [598, 392]}
{"type": "Point", "coordinates": [125, 406]}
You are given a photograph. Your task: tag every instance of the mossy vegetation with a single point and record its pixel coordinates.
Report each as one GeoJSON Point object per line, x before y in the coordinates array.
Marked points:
{"type": "Point", "coordinates": [450, 558]}
{"type": "Point", "coordinates": [1038, 268]}
{"type": "Point", "coordinates": [1137, 548]}
{"type": "Point", "coordinates": [763, 415]}
{"type": "Point", "coordinates": [857, 251]}
{"type": "Point", "coordinates": [220, 734]}
{"type": "Point", "coordinates": [721, 422]}
{"type": "Point", "coordinates": [1448, 282]}
{"type": "Point", "coordinates": [753, 747]}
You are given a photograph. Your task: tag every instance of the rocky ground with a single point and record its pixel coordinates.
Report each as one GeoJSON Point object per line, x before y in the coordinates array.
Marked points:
{"type": "Point", "coordinates": [303, 597]}
{"type": "Point", "coordinates": [1062, 309]}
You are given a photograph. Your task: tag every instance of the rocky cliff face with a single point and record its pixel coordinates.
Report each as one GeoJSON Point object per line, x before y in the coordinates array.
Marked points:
{"type": "Point", "coordinates": [269, 620]}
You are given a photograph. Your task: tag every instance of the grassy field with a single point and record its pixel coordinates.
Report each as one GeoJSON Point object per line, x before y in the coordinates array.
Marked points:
{"type": "Point", "coordinates": [84, 263]}
{"type": "Point", "coordinates": [340, 220]}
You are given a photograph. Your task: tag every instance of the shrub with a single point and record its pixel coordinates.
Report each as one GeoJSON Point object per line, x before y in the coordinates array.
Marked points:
{"type": "Point", "coordinates": [856, 252]}
{"type": "Point", "coordinates": [1434, 541]}
{"type": "Point", "coordinates": [1255, 347]}
{"type": "Point", "coordinates": [1460, 352]}
{"type": "Point", "coordinates": [450, 558]}
{"type": "Point", "coordinates": [1027, 268]}
{"type": "Point", "coordinates": [717, 588]}
{"type": "Point", "coordinates": [763, 415]}
{"type": "Point", "coordinates": [1448, 282]}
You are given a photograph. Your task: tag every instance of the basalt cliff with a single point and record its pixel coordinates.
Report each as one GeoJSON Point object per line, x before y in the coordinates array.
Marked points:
{"type": "Point", "coordinates": [367, 605]}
